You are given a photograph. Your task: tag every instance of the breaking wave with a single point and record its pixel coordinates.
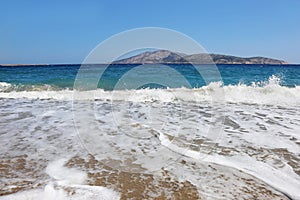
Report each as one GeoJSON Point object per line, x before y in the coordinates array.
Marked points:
{"type": "Point", "coordinates": [268, 92]}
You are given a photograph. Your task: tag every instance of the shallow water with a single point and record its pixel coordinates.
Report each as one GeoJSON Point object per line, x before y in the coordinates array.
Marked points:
{"type": "Point", "coordinates": [148, 136]}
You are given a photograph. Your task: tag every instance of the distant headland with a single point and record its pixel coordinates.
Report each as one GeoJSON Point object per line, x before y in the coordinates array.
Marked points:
{"type": "Point", "coordinates": [168, 57]}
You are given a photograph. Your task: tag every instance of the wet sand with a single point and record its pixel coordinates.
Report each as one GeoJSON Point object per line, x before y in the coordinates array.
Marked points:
{"type": "Point", "coordinates": [27, 174]}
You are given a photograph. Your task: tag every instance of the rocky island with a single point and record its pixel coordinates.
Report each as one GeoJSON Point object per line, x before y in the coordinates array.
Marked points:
{"type": "Point", "coordinates": [168, 57]}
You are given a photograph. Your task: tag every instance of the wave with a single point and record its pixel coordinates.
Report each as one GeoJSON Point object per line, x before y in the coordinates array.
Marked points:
{"type": "Point", "coordinates": [4, 86]}
{"type": "Point", "coordinates": [9, 87]}
{"type": "Point", "coordinates": [269, 92]}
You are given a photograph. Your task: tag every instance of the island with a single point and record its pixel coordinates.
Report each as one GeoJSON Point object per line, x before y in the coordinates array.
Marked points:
{"type": "Point", "coordinates": [168, 57]}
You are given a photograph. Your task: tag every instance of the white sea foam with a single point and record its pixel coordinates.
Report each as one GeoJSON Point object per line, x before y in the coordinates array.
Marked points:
{"type": "Point", "coordinates": [4, 86]}
{"type": "Point", "coordinates": [57, 171]}
{"type": "Point", "coordinates": [64, 181]}
{"type": "Point", "coordinates": [284, 180]}
{"type": "Point", "coordinates": [270, 92]}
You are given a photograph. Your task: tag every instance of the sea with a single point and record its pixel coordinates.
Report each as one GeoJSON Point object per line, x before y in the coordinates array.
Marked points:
{"type": "Point", "coordinates": [150, 132]}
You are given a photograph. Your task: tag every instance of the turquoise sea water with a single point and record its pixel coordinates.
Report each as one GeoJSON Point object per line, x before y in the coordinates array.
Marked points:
{"type": "Point", "coordinates": [59, 77]}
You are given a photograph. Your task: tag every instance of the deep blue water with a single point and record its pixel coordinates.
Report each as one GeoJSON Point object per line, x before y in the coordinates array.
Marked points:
{"type": "Point", "coordinates": [63, 76]}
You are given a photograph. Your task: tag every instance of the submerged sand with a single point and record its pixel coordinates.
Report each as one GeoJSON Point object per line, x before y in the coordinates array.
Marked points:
{"type": "Point", "coordinates": [229, 183]}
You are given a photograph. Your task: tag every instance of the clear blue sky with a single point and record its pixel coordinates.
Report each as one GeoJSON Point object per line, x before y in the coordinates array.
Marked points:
{"type": "Point", "coordinates": [66, 31]}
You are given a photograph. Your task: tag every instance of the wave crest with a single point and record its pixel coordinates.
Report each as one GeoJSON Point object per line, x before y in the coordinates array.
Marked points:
{"type": "Point", "coordinates": [268, 92]}
{"type": "Point", "coordinates": [8, 87]}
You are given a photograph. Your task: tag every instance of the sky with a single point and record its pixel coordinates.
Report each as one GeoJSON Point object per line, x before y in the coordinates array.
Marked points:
{"type": "Point", "coordinates": [65, 31]}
